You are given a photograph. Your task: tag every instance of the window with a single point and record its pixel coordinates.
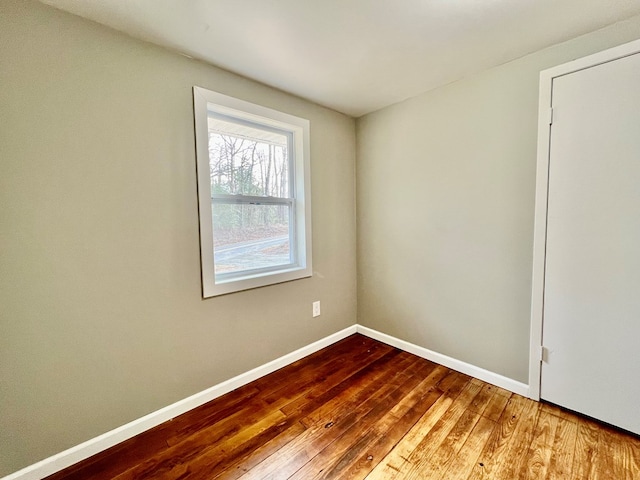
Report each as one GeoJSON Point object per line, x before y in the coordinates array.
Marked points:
{"type": "Point", "coordinates": [253, 193]}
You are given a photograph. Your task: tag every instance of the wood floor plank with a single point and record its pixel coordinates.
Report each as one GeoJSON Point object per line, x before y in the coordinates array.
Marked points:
{"type": "Point", "coordinates": [453, 383]}
{"type": "Point", "coordinates": [562, 450]}
{"type": "Point", "coordinates": [496, 450]}
{"type": "Point", "coordinates": [635, 454]}
{"type": "Point", "coordinates": [214, 431]}
{"type": "Point", "coordinates": [418, 460]}
{"type": "Point", "coordinates": [480, 403]}
{"type": "Point", "coordinates": [561, 412]}
{"type": "Point", "coordinates": [618, 454]}
{"type": "Point", "coordinates": [496, 407]}
{"type": "Point", "coordinates": [226, 407]}
{"type": "Point", "coordinates": [447, 462]}
{"type": "Point", "coordinates": [519, 446]}
{"type": "Point", "coordinates": [539, 454]}
{"type": "Point", "coordinates": [460, 466]}
{"type": "Point", "coordinates": [395, 461]}
{"type": "Point", "coordinates": [237, 466]}
{"type": "Point", "coordinates": [586, 452]}
{"type": "Point", "coordinates": [610, 463]}
{"type": "Point", "coordinates": [400, 432]}
{"type": "Point", "coordinates": [386, 437]}
{"type": "Point", "coordinates": [628, 451]}
{"type": "Point", "coordinates": [440, 460]}
{"type": "Point", "coordinates": [179, 460]}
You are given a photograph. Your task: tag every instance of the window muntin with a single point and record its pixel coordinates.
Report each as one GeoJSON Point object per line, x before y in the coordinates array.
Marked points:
{"type": "Point", "coordinates": [253, 194]}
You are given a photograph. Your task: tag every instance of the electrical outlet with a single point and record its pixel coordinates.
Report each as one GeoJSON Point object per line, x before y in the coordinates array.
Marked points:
{"type": "Point", "coordinates": [316, 308]}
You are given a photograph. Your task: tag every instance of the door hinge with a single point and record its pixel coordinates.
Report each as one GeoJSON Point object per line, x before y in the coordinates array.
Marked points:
{"type": "Point", "coordinates": [551, 116]}
{"type": "Point", "coordinates": [543, 354]}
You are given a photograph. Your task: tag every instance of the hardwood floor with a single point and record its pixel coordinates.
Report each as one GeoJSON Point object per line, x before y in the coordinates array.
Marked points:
{"type": "Point", "coordinates": [362, 409]}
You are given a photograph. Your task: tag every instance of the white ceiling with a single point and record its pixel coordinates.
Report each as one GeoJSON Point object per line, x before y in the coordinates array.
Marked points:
{"type": "Point", "coordinates": [354, 56]}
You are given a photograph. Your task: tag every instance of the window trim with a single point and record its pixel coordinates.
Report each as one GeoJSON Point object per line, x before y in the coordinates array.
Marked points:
{"type": "Point", "coordinates": [205, 100]}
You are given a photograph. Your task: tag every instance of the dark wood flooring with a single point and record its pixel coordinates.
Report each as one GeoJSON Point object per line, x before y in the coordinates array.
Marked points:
{"type": "Point", "coordinates": [362, 409]}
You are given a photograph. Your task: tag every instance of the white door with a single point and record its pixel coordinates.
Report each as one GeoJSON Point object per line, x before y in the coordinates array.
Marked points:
{"type": "Point", "coordinates": [591, 326]}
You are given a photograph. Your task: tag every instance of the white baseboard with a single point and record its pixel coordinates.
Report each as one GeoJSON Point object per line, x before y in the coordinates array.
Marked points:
{"type": "Point", "coordinates": [73, 455]}
{"type": "Point", "coordinates": [452, 363]}
{"type": "Point", "coordinates": [86, 449]}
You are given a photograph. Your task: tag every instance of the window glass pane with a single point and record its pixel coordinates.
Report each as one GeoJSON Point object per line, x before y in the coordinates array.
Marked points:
{"type": "Point", "coordinates": [247, 237]}
{"type": "Point", "coordinates": [244, 160]}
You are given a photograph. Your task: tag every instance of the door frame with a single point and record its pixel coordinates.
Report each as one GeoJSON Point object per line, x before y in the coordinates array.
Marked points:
{"type": "Point", "coordinates": [545, 116]}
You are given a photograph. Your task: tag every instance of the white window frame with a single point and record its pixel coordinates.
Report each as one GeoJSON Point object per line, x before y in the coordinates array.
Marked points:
{"type": "Point", "coordinates": [205, 101]}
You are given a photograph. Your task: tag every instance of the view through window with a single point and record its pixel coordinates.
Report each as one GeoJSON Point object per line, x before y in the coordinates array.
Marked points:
{"type": "Point", "coordinates": [247, 161]}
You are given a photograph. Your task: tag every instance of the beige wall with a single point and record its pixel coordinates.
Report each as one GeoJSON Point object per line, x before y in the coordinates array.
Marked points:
{"type": "Point", "coordinates": [101, 315]}
{"type": "Point", "coordinates": [445, 210]}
